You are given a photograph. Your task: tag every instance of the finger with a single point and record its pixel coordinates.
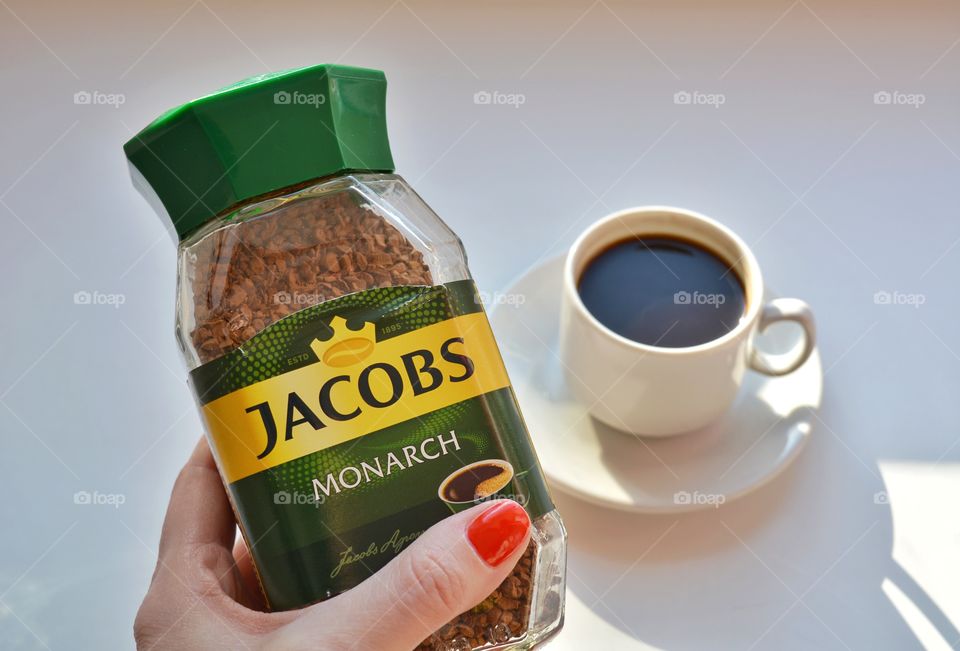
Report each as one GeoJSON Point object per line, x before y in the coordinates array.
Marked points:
{"type": "Point", "coordinates": [199, 512]}
{"type": "Point", "coordinates": [451, 568]}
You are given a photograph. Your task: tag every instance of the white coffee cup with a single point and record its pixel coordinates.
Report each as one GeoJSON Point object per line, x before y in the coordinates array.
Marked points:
{"type": "Point", "coordinates": [659, 391]}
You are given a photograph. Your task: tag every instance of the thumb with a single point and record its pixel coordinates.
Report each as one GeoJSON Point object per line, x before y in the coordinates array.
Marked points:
{"type": "Point", "coordinates": [449, 569]}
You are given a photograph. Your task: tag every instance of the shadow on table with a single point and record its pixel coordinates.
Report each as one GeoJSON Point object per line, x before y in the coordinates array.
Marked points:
{"type": "Point", "coordinates": [799, 564]}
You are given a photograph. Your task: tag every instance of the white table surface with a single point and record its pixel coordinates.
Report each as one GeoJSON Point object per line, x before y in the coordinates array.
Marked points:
{"type": "Point", "coordinates": [841, 197]}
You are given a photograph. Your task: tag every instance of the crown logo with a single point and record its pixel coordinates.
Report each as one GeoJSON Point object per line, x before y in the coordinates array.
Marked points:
{"type": "Point", "coordinates": [346, 347]}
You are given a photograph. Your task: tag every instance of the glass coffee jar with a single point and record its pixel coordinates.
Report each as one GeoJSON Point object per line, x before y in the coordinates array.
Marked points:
{"type": "Point", "coordinates": [351, 388]}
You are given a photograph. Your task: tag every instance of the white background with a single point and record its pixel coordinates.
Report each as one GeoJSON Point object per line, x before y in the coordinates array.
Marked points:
{"type": "Point", "coordinates": [839, 196]}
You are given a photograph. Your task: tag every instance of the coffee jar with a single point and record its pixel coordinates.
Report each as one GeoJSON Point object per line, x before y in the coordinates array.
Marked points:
{"type": "Point", "coordinates": [337, 346]}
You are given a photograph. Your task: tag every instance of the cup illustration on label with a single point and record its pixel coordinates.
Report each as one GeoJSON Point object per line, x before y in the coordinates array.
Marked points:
{"type": "Point", "coordinates": [474, 483]}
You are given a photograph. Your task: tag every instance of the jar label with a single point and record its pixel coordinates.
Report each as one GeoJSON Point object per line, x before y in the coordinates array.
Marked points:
{"type": "Point", "coordinates": [346, 429]}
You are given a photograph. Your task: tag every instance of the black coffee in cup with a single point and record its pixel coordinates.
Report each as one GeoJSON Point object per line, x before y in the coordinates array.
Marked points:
{"type": "Point", "coordinates": [663, 291]}
{"type": "Point", "coordinates": [476, 481]}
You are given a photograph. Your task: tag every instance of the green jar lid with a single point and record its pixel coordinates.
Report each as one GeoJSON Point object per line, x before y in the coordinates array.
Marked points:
{"type": "Point", "coordinates": [260, 135]}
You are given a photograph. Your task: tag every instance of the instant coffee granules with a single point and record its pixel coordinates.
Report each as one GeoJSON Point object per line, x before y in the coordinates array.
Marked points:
{"type": "Point", "coordinates": [248, 278]}
{"type": "Point", "coordinates": [499, 618]}
{"type": "Point", "coordinates": [331, 325]}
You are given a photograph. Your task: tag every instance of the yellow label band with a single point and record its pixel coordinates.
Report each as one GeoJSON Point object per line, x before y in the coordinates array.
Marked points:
{"type": "Point", "coordinates": [356, 387]}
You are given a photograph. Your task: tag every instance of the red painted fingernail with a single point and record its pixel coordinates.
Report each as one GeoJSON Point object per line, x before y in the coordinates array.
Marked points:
{"type": "Point", "coordinates": [497, 532]}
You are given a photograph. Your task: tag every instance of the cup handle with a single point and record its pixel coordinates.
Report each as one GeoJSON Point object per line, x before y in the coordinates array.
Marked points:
{"type": "Point", "coordinates": [784, 309]}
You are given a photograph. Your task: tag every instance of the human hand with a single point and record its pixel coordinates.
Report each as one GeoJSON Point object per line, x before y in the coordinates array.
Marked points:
{"type": "Point", "coordinates": [204, 593]}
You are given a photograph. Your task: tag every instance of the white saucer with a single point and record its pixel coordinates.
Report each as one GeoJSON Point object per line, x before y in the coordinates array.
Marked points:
{"type": "Point", "coordinates": [759, 437]}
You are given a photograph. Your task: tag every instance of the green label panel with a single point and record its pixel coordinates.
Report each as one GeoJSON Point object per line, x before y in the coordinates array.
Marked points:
{"type": "Point", "coordinates": [320, 523]}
